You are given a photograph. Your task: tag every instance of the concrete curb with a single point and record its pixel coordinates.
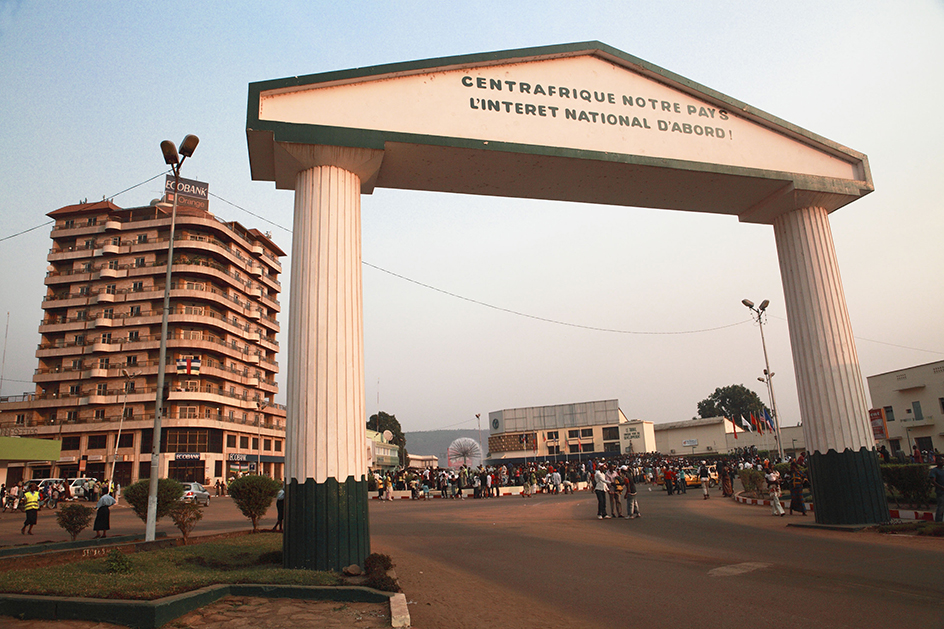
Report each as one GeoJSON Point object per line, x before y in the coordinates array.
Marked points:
{"type": "Point", "coordinates": [898, 514]}
{"type": "Point", "coordinates": [154, 614]}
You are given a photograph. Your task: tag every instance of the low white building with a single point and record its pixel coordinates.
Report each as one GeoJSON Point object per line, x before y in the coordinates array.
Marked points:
{"type": "Point", "coordinates": [908, 408]}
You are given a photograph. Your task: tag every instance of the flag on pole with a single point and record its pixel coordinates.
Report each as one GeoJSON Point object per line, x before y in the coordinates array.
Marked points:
{"type": "Point", "coordinates": [754, 422]}
{"type": "Point", "coordinates": [734, 424]}
{"type": "Point", "coordinates": [770, 422]}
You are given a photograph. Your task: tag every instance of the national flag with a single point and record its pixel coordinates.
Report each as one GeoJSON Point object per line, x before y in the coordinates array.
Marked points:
{"type": "Point", "coordinates": [188, 366]}
{"type": "Point", "coordinates": [754, 422]}
{"type": "Point", "coordinates": [734, 424]}
{"type": "Point", "coordinates": [745, 425]}
{"type": "Point", "coordinates": [770, 422]}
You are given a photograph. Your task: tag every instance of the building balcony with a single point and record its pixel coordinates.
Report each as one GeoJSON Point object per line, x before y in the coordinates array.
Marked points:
{"type": "Point", "coordinates": [102, 346]}
{"type": "Point", "coordinates": [104, 298]}
{"type": "Point", "coordinates": [108, 249]}
{"type": "Point", "coordinates": [111, 225]}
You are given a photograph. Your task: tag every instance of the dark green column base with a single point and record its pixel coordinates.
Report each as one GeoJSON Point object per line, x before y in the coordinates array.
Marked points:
{"type": "Point", "coordinates": [326, 524]}
{"type": "Point", "coordinates": [847, 487]}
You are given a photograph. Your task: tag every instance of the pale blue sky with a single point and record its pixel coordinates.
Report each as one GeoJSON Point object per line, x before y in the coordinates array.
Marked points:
{"type": "Point", "coordinates": [89, 89]}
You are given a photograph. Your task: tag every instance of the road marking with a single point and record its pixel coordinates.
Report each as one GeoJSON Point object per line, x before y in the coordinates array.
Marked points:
{"type": "Point", "coordinates": [737, 568]}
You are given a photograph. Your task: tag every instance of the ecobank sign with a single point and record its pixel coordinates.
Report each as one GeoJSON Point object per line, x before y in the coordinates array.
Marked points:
{"type": "Point", "coordinates": [190, 193]}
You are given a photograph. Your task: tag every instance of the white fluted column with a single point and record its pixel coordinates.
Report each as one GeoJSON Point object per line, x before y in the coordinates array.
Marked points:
{"type": "Point", "coordinates": [847, 483]}
{"type": "Point", "coordinates": [325, 459]}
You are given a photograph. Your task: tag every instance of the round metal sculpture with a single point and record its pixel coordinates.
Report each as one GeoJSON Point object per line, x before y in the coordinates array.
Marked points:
{"type": "Point", "coordinates": [464, 451]}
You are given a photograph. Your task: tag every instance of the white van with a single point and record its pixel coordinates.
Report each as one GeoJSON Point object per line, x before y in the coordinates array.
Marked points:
{"type": "Point", "coordinates": [77, 486]}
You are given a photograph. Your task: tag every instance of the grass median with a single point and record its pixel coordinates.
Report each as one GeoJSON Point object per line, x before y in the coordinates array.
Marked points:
{"type": "Point", "coordinates": [158, 573]}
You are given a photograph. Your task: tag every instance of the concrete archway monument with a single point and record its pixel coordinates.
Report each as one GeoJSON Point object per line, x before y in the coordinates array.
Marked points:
{"type": "Point", "coordinates": [578, 122]}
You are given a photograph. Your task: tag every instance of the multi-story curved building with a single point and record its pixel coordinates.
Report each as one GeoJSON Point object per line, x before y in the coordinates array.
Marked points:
{"type": "Point", "coordinates": [100, 340]}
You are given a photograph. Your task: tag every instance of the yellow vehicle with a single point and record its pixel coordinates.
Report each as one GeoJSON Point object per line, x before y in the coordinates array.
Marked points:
{"type": "Point", "coordinates": [693, 480]}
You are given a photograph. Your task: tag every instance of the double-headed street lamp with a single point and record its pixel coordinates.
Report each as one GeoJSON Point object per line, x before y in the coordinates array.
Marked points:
{"type": "Point", "coordinates": [175, 161]}
{"type": "Point", "coordinates": [761, 316]}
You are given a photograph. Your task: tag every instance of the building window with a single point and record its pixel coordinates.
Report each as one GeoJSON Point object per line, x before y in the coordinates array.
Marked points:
{"type": "Point", "coordinates": [889, 414]}
{"type": "Point", "coordinates": [129, 386]}
{"type": "Point", "coordinates": [137, 287]}
{"type": "Point", "coordinates": [135, 311]}
{"type": "Point", "coordinates": [918, 415]}
{"type": "Point", "coordinates": [97, 442]}
{"type": "Point", "coordinates": [573, 434]}
{"type": "Point", "coordinates": [74, 389]}
{"type": "Point", "coordinates": [70, 443]}
{"type": "Point", "coordinates": [126, 440]}
{"type": "Point", "coordinates": [255, 443]}
{"type": "Point", "coordinates": [187, 412]}
{"type": "Point", "coordinates": [611, 447]}
{"type": "Point", "coordinates": [586, 432]}
{"type": "Point", "coordinates": [131, 360]}
{"type": "Point", "coordinates": [134, 335]}
{"type": "Point", "coordinates": [278, 445]}
{"type": "Point", "coordinates": [244, 443]}
{"type": "Point", "coordinates": [72, 416]}
{"type": "Point", "coordinates": [129, 412]}
{"type": "Point", "coordinates": [111, 289]}
{"type": "Point", "coordinates": [941, 402]}
{"type": "Point", "coordinates": [139, 262]}
{"type": "Point", "coordinates": [99, 414]}
{"type": "Point", "coordinates": [231, 441]}
{"type": "Point", "coordinates": [103, 362]}
{"type": "Point", "coordinates": [113, 264]}
{"type": "Point", "coordinates": [69, 224]}
{"type": "Point", "coordinates": [267, 445]}
{"type": "Point", "coordinates": [21, 419]}
{"type": "Point", "coordinates": [142, 238]}
{"type": "Point", "coordinates": [187, 440]}
{"type": "Point", "coordinates": [102, 388]}
{"type": "Point", "coordinates": [81, 315]}
{"type": "Point", "coordinates": [611, 433]}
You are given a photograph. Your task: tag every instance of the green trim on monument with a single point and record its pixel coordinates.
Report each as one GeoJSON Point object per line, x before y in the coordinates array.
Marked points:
{"type": "Point", "coordinates": [326, 524]}
{"type": "Point", "coordinates": [848, 487]}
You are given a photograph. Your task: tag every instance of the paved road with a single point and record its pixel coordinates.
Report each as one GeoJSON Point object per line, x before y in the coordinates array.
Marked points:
{"type": "Point", "coordinates": [688, 562]}
{"type": "Point", "coordinates": [548, 562]}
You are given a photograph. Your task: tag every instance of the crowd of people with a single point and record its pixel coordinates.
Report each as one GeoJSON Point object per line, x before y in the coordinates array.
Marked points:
{"type": "Point", "coordinates": [614, 479]}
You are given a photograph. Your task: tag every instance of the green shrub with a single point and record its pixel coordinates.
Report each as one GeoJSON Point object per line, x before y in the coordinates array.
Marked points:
{"type": "Point", "coordinates": [75, 518]}
{"type": "Point", "coordinates": [383, 582]}
{"type": "Point", "coordinates": [253, 495]}
{"type": "Point", "coordinates": [753, 482]}
{"type": "Point", "coordinates": [909, 483]}
{"type": "Point", "coordinates": [185, 516]}
{"type": "Point", "coordinates": [117, 562]}
{"type": "Point", "coordinates": [377, 563]}
{"type": "Point", "coordinates": [168, 492]}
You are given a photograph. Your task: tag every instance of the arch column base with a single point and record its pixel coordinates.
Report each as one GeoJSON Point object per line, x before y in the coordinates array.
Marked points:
{"type": "Point", "coordinates": [847, 487]}
{"type": "Point", "coordinates": [326, 524]}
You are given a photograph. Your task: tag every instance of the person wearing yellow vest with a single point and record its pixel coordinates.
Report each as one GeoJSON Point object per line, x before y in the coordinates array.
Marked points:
{"type": "Point", "coordinates": [31, 500]}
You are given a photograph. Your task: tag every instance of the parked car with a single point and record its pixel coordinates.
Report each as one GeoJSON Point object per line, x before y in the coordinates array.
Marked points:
{"type": "Point", "coordinates": [194, 492]}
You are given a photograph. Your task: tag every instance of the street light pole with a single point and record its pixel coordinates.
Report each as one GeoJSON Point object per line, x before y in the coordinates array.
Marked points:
{"type": "Point", "coordinates": [172, 159]}
{"type": "Point", "coordinates": [760, 313]}
{"type": "Point", "coordinates": [121, 421]}
{"type": "Point", "coordinates": [260, 404]}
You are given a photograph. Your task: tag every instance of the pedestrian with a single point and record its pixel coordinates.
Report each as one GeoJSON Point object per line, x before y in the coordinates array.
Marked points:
{"type": "Point", "coordinates": [218, 488]}
{"type": "Point", "coordinates": [681, 485]}
{"type": "Point", "coordinates": [103, 515]}
{"type": "Point", "coordinates": [599, 486]}
{"type": "Point", "coordinates": [280, 509]}
{"type": "Point", "coordinates": [632, 505]}
{"type": "Point", "coordinates": [705, 476]}
{"type": "Point", "coordinates": [31, 498]}
{"type": "Point", "coordinates": [773, 489]}
{"type": "Point", "coordinates": [615, 491]}
{"type": "Point", "coordinates": [937, 479]}
{"type": "Point", "coordinates": [797, 481]}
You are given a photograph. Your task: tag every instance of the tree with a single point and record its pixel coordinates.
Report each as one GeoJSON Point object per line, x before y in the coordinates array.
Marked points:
{"type": "Point", "coordinates": [75, 518]}
{"type": "Point", "coordinates": [185, 516]}
{"type": "Point", "coordinates": [168, 492]}
{"type": "Point", "coordinates": [732, 402]}
{"type": "Point", "coordinates": [381, 422]}
{"type": "Point", "coordinates": [253, 495]}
